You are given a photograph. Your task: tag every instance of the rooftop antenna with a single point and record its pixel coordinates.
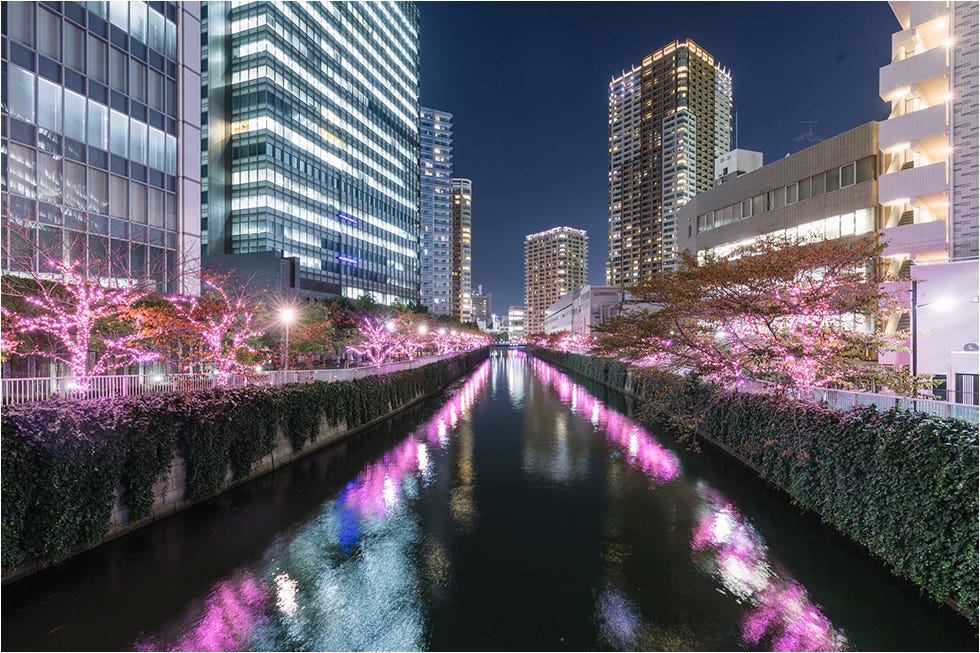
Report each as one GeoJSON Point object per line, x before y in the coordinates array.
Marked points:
{"type": "Point", "coordinates": [808, 136]}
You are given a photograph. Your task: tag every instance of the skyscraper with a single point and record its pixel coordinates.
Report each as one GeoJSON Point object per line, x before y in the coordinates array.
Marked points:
{"type": "Point", "coordinates": [435, 204]}
{"type": "Point", "coordinates": [462, 257]}
{"type": "Point", "coordinates": [482, 306]}
{"type": "Point", "coordinates": [669, 119]}
{"type": "Point", "coordinates": [311, 158]}
{"type": "Point", "coordinates": [102, 134]}
{"type": "Point", "coordinates": [555, 261]}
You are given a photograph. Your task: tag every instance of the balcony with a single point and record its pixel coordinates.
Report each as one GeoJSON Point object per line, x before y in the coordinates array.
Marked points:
{"type": "Point", "coordinates": [913, 126]}
{"type": "Point", "coordinates": [913, 182]}
{"type": "Point", "coordinates": [913, 238]}
{"type": "Point", "coordinates": [913, 70]}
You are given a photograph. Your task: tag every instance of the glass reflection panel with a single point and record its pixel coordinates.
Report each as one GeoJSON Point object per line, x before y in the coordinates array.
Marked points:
{"type": "Point", "coordinates": [20, 93]}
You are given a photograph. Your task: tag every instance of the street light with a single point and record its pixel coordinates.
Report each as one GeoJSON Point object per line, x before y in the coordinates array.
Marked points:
{"type": "Point", "coordinates": [287, 316]}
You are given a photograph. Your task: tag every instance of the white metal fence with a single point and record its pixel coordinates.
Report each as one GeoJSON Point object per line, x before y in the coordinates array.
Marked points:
{"type": "Point", "coordinates": [847, 399]}
{"type": "Point", "coordinates": [19, 390]}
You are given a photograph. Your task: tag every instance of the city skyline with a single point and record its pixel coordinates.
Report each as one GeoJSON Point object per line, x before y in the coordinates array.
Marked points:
{"type": "Point", "coordinates": [556, 60]}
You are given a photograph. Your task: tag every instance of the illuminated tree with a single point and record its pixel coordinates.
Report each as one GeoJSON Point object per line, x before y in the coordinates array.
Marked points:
{"type": "Point", "coordinates": [795, 313]}
{"type": "Point", "coordinates": [379, 342]}
{"type": "Point", "coordinates": [220, 325]}
{"type": "Point", "coordinates": [83, 315]}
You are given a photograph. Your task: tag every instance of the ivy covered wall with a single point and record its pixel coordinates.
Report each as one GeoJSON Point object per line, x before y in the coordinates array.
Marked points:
{"type": "Point", "coordinates": [65, 462]}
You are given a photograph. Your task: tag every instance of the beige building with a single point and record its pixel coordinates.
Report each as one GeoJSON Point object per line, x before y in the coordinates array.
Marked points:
{"type": "Point", "coordinates": [461, 259]}
{"type": "Point", "coordinates": [669, 119]}
{"type": "Point", "coordinates": [555, 262]}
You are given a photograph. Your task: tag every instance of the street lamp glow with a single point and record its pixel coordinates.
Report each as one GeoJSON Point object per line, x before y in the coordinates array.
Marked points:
{"type": "Point", "coordinates": [390, 325]}
{"type": "Point", "coordinates": [442, 331]}
{"type": "Point", "coordinates": [287, 315]}
{"type": "Point", "coordinates": [423, 329]}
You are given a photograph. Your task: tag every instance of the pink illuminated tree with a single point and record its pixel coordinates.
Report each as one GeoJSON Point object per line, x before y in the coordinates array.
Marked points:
{"type": "Point", "coordinates": [220, 325]}
{"type": "Point", "coordinates": [379, 341]}
{"type": "Point", "coordinates": [81, 319]}
{"type": "Point", "coordinates": [794, 313]}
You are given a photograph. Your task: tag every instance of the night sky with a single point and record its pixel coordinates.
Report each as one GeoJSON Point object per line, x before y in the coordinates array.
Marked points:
{"type": "Point", "coordinates": [528, 83]}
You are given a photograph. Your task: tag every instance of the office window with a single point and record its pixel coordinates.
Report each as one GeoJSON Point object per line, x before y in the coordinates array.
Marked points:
{"type": "Point", "coordinates": [156, 29]}
{"type": "Point", "coordinates": [74, 47]}
{"type": "Point", "coordinates": [48, 105]}
{"type": "Point", "coordinates": [48, 178]}
{"type": "Point", "coordinates": [156, 91]}
{"type": "Point", "coordinates": [118, 197]}
{"type": "Point", "coordinates": [119, 14]}
{"type": "Point", "coordinates": [792, 193]}
{"type": "Point", "coordinates": [819, 184]}
{"type": "Point", "coordinates": [833, 179]}
{"type": "Point", "coordinates": [98, 60]}
{"type": "Point", "coordinates": [804, 189]}
{"type": "Point", "coordinates": [758, 204]}
{"type": "Point", "coordinates": [866, 169]}
{"type": "Point", "coordinates": [49, 34]}
{"type": "Point", "coordinates": [154, 207]}
{"type": "Point", "coordinates": [746, 208]}
{"type": "Point", "coordinates": [847, 175]}
{"type": "Point", "coordinates": [137, 141]}
{"type": "Point", "coordinates": [98, 191]}
{"type": "Point", "coordinates": [20, 21]}
{"type": "Point", "coordinates": [137, 80]}
{"type": "Point", "coordinates": [137, 20]}
{"type": "Point", "coordinates": [137, 202]}
{"type": "Point", "coordinates": [20, 169]}
{"type": "Point", "coordinates": [75, 186]}
{"type": "Point", "coordinates": [75, 110]}
{"type": "Point", "coordinates": [20, 93]}
{"type": "Point", "coordinates": [119, 134]}
{"type": "Point", "coordinates": [98, 125]}
{"type": "Point", "coordinates": [119, 70]}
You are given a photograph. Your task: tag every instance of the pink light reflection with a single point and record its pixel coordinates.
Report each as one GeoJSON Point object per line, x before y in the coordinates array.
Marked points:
{"type": "Point", "coordinates": [377, 489]}
{"type": "Point", "coordinates": [642, 451]}
{"type": "Point", "coordinates": [781, 608]}
{"type": "Point", "coordinates": [233, 611]}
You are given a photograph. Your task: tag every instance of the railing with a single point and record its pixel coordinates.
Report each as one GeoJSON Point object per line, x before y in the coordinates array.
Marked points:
{"type": "Point", "coordinates": [847, 399]}
{"type": "Point", "coordinates": [18, 390]}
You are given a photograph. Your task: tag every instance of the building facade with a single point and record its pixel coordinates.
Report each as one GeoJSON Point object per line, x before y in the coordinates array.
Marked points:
{"type": "Point", "coordinates": [435, 209]}
{"type": "Point", "coordinates": [461, 300]}
{"type": "Point", "coordinates": [482, 308]}
{"type": "Point", "coordinates": [581, 311]}
{"type": "Point", "coordinates": [101, 138]}
{"type": "Point", "coordinates": [555, 262]}
{"type": "Point", "coordinates": [311, 161]}
{"type": "Point", "coordinates": [669, 119]}
{"type": "Point", "coordinates": [928, 186]}
{"type": "Point", "coordinates": [515, 322]}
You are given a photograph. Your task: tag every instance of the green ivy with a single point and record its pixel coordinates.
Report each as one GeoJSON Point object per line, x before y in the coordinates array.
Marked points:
{"type": "Point", "coordinates": [63, 460]}
{"type": "Point", "coordinates": [903, 484]}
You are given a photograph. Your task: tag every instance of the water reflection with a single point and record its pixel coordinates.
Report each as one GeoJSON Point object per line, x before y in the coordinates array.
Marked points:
{"type": "Point", "coordinates": [729, 548]}
{"type": "Point", "coordinates": [724, 543]}
{"type": "Point", "coordinates": [642, 451]}
{"type": "Point", "coordinates": [349, 579]}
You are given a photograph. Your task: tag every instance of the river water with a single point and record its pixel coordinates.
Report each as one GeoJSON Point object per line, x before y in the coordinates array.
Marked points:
{"type": "Point", "coordinates": [522, 510]}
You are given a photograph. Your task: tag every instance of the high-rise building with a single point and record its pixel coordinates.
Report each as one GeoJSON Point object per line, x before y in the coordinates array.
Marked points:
{"type": "Point", "coordinates": [555, 262]}
{"type": "Point", "coordinates": [435, 214]}
{"type": "Point", "coordinates": [462, 256]}
{"type": "Point", "coordinates": [311, 158]}
{"type": "Point", "coordinates": [101, 138]}
{"type": "Point", "coordinates": [482, 308]}
{"type": "Point", "coordinates": [669, 119]}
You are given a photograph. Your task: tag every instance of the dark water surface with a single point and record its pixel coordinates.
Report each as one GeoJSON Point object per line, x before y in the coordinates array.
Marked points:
{"type": "Point", "coordinates": [522, 510]}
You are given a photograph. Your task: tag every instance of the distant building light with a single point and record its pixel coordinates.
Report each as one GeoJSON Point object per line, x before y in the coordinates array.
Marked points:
{"type": "Point", "coordinates": [349, 260]}
{"type": "Point", "coordinates": [346, 217]}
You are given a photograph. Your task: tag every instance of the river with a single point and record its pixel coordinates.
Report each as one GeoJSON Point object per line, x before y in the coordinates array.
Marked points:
{"type": "Point", "coordinates": [523, 509]}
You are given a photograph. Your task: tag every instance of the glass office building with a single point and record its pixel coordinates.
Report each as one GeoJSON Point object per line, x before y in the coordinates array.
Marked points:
{"type": "Point", "coordinates": [312, 144]}
{"type": "Point", "coordinates": [96, 112]}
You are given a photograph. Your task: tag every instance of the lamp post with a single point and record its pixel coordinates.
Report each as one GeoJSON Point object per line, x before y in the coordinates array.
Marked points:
{"type": "Point", "coordinates": [287, 316]}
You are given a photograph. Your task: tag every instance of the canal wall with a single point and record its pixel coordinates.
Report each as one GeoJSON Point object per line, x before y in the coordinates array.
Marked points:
{"type": "Point", "coordinates": [77, 473]}
{"type": "Point", "coordinates": [901, 484]}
